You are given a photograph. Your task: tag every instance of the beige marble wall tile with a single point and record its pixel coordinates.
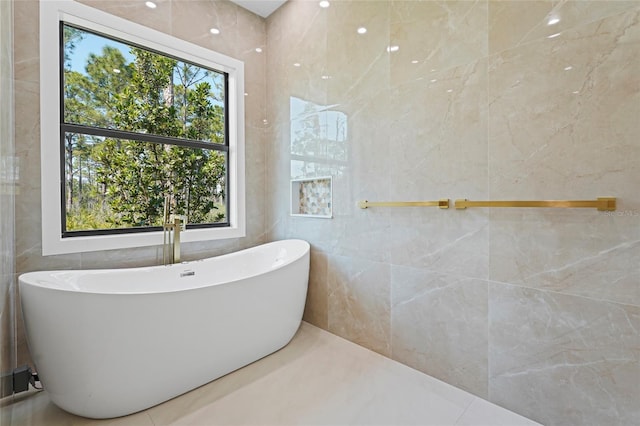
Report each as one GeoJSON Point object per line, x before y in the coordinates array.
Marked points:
{"type": "Point", "coordinates": [442, 241]}
{"type": "Point", "coordinates": [574, 13]}
{"type": "Point", "coordinates": [359, 302]}
{"type": "Point", "coordinates": [513, 23]}
{"type": "Point", "coordinates": [296, 101]}
{"type": "Point", "coordinates": [435, 35]}
{"type": "Point", "coordinates": [439, 134]}
{"type": "Point", "coordinates": [136, 11]}
{"type": "Point", "coordinates": [192, 20]}
{"type": "Point", "coordinates": [439, 326]}
{"type": "Point", "coordinates": [562, 359]}
{"type": "Point", "coordinates": [370, 147]}
{"type": "Point", "coordinates": [357, 64]}
{"type": "Point", "coordinates": [277, 180]}
{"type": "Point", "coordinates": [510, 22]}
{"type": "Point", "coordinates": [364, 233]}
{"type": "Point", "coordinates": [293, 25]}
{"type": "Point", "coordinates": [590, 255]}
{"type": "Point", "coordinates": [28, 207]}
{"type": "Point", "coordinates": [562, 126]}
{"type": "Point", "coordinates": [26, 59]}
{"type": "Point", "coordinates": [297, 34]}
{"type": "Point", "coordinates": [439, 150]}
{"type": "Point", "coordinates": [316, 307]}
{"type": "Point", "coordinates": [365, 176]}
{"type": "Point", "coordinates": [562, 115]}
{"type": "Point", "coordinates": [255, 88]}
{"type": "Point", "coordinates": [7, 194]}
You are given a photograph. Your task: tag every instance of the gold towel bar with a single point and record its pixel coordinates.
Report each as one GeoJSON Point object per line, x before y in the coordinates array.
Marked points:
{"type": "Point", "coordinates": [443, 204]}
{"type": "Point", "coordinates": [602, 204]}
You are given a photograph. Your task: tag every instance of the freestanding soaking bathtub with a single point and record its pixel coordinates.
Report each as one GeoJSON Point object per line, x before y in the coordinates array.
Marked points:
{"type": "Point", "coordinates": [107, 343]}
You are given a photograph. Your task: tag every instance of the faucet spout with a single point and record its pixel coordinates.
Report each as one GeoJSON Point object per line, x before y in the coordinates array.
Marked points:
{"type": "Point", "coordinates": [177, 227]}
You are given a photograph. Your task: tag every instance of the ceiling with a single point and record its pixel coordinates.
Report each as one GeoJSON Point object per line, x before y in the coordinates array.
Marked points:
{"type": "Point", "coordinates": [260, 7]}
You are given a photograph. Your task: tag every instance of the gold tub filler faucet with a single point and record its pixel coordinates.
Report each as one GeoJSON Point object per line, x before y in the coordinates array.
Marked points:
{"type": "Point", "coordinates": [171, 228]}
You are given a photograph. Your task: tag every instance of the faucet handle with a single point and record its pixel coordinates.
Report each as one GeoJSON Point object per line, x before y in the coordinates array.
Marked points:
{"type": "Point", "coordinates": [179, 221]}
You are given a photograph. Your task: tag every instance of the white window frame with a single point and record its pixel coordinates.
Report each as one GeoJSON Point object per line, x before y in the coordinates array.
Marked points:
{"type": "Point", "coordinates": [52, 12]}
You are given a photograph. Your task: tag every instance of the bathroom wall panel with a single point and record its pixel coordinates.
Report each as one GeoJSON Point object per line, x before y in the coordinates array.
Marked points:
{"type": "Point", "coordinates": [26, 59]}
{"type": "Point", "coordinates": [136, 11]}
{"type": "Point", "coordinates": [511, 21]}
{"type": "Point", "coordinates": [358, 92]}
{"type": "Point", "coordinates": [192, 21]}
{"type": "Point", "coordinates": [514, 23]}
{"type": "Point", "coordinates": [563, 117]}
{"type": "Point", "coordinates": [359, 302]}
{"type": "Point", "coordinates": [439, 325]}
{"type": "Point", "coordinates": [574, 14]}
{"type": "Point", "coordinates": [296, 93]}
{"type": "Point", "coordinates": [561, 359]}
{"type": "Point", "coordinates": [315, 309]}
{"type": "Point", "coordinates": [437, 34]}
{"type": "Point", "coordinates": [587, 254]}
{"type": "Point", "coordinates": [436, 119]}
{"type": "Point", "coordinates": [7, 193]}
{"type": "Point", "coordinates": [563, 125]}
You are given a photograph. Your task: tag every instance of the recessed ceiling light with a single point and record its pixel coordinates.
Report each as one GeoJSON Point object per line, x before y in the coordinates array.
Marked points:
{"type": "Point", "coordinates": [324, 4]}
{"type": "Point", "coordinates": [258, 49]}
{"type": "Point", "coordinates": [393, 48]}
{"type": "Point", "coordinates": [214, 31]}
{"type": "Point", "coordinates": [150, 5]}
{"type": "Point", "coordinates": [297, 64]}
{"type": "Point", "coordinates": [415, 61]}
{"type": "Point", "coordinates": [568, 68]}
{"type": "Point", "coordinates": [553, 35]}
{"type": "Point", "coordinates": [553, 21]}
{"type": "Point", "coordinates": [362, 30]}
{"type": "Point", "coordinates": [326, 77]}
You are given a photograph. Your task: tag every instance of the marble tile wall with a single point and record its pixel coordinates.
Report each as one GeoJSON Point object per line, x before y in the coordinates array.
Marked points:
{"type": "Point", "coordinates": [536, 310]}
{"type": "Point", "coordinates": [7, 193]}
{"type": "Point", "coordinates": [241, 32]}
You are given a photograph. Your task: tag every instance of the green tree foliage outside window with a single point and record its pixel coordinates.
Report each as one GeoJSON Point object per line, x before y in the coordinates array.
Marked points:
{"type": "Point", "coordinates": [116, 182]}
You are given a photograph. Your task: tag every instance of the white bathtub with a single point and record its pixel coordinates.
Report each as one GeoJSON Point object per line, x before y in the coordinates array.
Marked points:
{"type": "Point", "coordinates": [107, 343]}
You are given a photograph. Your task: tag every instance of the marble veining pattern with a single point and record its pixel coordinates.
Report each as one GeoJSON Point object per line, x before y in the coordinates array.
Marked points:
{"type": "Point", "coordinates": [541, 338]}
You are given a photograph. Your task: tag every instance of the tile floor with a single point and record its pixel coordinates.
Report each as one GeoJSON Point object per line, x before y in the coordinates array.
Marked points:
{"type": "Point", "coordinates": [318, 379]}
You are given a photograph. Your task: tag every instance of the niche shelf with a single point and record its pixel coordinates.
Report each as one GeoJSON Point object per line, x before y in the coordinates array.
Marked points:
{"type": "Point", "coordinates": [312, 197]}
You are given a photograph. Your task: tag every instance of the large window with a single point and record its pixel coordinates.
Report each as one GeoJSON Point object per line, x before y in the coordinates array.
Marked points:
{"type": "Point", "coordinates": [138, 126]}
{"type": "Point", "coordinates": [140, 116]}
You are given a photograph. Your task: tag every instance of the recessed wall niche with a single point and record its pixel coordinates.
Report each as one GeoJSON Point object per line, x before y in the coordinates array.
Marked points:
{"type": "Point", "coordinates": [312, 197]}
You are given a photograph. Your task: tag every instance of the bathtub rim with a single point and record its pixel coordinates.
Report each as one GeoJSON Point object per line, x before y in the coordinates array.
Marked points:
{"type": "Point", "coordinates": [45, 280]}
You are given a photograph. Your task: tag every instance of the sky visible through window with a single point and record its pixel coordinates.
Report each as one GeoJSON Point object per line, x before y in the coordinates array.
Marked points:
{"type": "Point", "coordinates": [91, 43]}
